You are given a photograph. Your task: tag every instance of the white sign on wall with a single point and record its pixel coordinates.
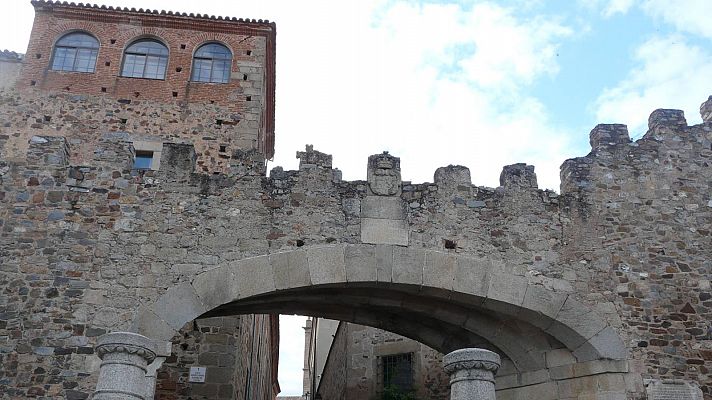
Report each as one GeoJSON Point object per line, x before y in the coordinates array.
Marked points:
{"type": "Point", "coordinates": [197, 375]}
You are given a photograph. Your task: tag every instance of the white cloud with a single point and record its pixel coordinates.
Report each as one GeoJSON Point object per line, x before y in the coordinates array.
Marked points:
{"type": "Point", "coordinates": [434, 84]}
{"type": "Point", "coordinates": [608, 8]}
{"type": "Point", "coordinates": [670, 73]}
{"type": "Point", "coordinates": [692, 16]}
{"type": "Point", "coordinates": [617, 7]}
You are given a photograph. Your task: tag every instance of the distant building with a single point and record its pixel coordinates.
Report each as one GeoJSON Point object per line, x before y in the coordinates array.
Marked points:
{"type": "Point", "coordinates": [355, 362]}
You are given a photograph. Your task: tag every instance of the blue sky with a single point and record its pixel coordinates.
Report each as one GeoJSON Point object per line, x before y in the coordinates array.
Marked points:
{"type": "Point", "coordinates": [477, 83]}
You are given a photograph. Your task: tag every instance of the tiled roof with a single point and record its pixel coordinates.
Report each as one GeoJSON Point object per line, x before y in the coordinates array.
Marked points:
{"type": "Point", "coordinates": [11, 55]}
{"type": "Point", "coordinates": [145, 11]}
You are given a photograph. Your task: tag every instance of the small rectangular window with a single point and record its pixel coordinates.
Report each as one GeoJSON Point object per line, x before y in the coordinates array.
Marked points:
{"type": "Point", "coordinates": [398, 374]}
{"type": "Point", "coordinates": [143, 160]}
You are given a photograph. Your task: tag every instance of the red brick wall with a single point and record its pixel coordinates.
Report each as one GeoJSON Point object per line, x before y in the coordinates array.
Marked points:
{"type": "Point", "coordinates": [250, 91]}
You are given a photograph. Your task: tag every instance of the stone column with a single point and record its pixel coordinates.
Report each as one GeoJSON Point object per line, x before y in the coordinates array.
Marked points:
{"type": "Point", "coordinates": [124, 360]}
{"type": "Point", "coordinates": [471, 373]}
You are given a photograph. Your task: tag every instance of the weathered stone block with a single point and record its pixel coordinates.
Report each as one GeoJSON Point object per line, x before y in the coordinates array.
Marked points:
{"type": "Point", "coordinates": [575, 324]}
{"type": "Point", "coordinates": [253, 276]}
{"type": "Point", "coordinates": [384, 263]}
{"type": "Point", "coordinates": [506, 293]}
{"type": "Point", "coordinates": [384, 231]}
{"type": "Point", "coordinates": [558, 357]}
{"type": "Point", "coordinates": [439, 270]}
{"type": "Point", "coordinates": [179, 305]}
{"type": "Point", "coordinates": [382, 207]}
{"type": "Point", "coordinates": [472, 276]}
{"type": "Point", "coordinates": [147, 323]}
{"type": "Point", "coordinates": [216, 287]}
{"type": "Point", "coordinates": [326, 265]}
{"type": "Point", "coordinates": [541, 305]}
{"type": "Point", "coordinates": [408, 264]}
{"type": "Point", "coordinates": [291, 269]}
{"type": "Point", "coordinates": [360, 263]}
{"type": "Point", "coordinates": [604, 344]}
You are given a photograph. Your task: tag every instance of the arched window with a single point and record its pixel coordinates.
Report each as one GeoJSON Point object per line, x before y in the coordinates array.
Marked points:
{"type": "Point", "coordinates": [211, 63]}
{"type": "Point", "coordinates": [145, 58]}
{"type": "Point", "coordinates": [75, 52]}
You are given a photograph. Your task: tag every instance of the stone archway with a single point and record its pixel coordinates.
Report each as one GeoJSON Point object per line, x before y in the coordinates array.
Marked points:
{"type": "Point", "coordinates": [445, 300]}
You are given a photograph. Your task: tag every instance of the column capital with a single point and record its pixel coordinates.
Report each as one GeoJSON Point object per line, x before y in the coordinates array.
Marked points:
{"type": "Point", "coordinates": [471, 358]}
{"type": "Point", "coordinates": [126, 342]}
{"type": "Point", "coordinates": [124, 366]}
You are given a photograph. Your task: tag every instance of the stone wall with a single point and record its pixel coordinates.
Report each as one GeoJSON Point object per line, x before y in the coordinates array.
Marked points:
{"type": "Point", "coordinates": [646, 209]}
{"type": "Point", "coordinates": [216, 132]}
{"type": "Point", "coordinates": [10, 64]}
{"type": "Point", "coordinates": [86, 241]}
{"type": "Point", "coordinates": [84, 245]}
{"type": "Point", "coordinates": [231, 349]}
{"type": "Point", "coordinates": [353, 370]}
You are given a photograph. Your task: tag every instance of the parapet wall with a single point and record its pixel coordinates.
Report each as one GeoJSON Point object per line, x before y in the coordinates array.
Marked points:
{"type": "Point", "coordinates": [10, 66]}
{"type": "Point", "coordinates": [86, 240]}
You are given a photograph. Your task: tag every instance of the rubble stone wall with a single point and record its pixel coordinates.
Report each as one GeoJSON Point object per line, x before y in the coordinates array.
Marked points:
{"type": "Point", "coordinates": [86, 241]}
{"type": "Point", "coordinates": [215, 131]}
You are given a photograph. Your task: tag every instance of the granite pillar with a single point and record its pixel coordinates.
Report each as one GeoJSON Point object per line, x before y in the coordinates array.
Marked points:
{"type": "Point", "coordinates": [124, 365]}
{"type": "Point", "coordinates": [471, 373]}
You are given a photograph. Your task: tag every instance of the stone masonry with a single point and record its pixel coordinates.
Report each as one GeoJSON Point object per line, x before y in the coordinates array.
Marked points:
{"type": "Point", "coordinates": [354, 367]}
{"type": "Point", "coordinates": [84, 246]}
{"type": "Point", "coordinates": [95, 119]}
{"type": "Point", "coordinates": [89, 245]}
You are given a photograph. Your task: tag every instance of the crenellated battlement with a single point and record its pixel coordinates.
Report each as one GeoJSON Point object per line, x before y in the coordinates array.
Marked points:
{"type": "Point", "coordinates": [179, 161]}
{"type": "Point", "coordinates": [611, 146]}
{"type": "Point", "coordinates": [629, 229]}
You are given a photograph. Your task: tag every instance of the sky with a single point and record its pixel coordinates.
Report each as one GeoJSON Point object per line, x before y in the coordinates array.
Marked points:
{"type": "Point", "coordinates": [476, 83]}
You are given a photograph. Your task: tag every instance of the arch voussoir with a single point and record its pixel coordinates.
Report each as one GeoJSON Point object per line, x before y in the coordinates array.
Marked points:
{"type": "Point", "coordinates": [360, 263]}
{"type": "Point", "coordinates": [148, 324]}
{"type": "Point", "coordinates": [215, 286]}
{"type": "Point", "coordinates": [575, 323]}
{"type": "Point", "coordinates": [181, 297]}
{"type": "Point", "coordinates": [253, 276]}
{"type": "Point", "coordinates": [408, 264]}
{"type": "Point", "coordinates": [439, 270]}
{"type": "Point", "coordinates": [327, 265]}
{"type": "Point", "coordinates": [489, 299]}
{"type": "Point", "coordinates": [290, 269]}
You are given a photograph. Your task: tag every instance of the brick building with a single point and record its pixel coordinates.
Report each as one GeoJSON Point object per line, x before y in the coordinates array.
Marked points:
{"type": "Point", "coordinates": [225, 65]}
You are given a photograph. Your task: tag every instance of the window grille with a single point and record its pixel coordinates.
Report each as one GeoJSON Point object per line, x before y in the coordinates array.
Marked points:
{"type": "Point", "coordinates": [398, 372]}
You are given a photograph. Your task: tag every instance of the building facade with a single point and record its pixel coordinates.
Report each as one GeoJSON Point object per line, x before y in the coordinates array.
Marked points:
{"type": "Point", "coordinates": [356, 362]}
{"type": "Point", "coordinates": [135, 206]}
{"type": "Point", "coordinates": [117, 85]}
